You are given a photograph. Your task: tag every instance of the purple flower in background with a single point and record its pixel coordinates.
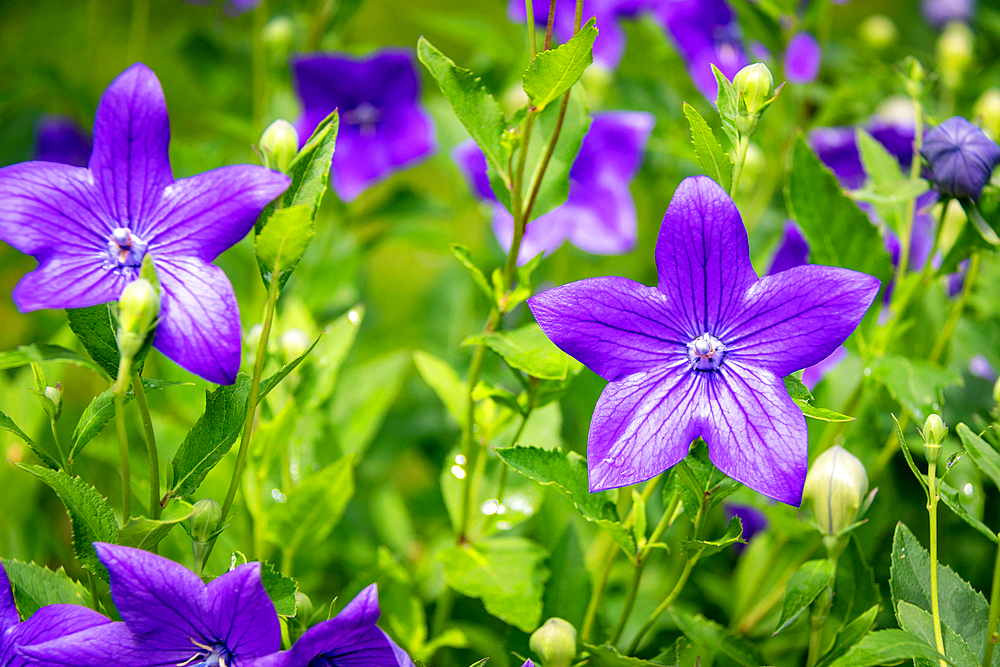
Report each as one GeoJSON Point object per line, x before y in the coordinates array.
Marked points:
{"type": "Point", "coordinates": [170, 617]}
{"type": "Point", "coordinates": [961, 157]}
{"type": "Point", "coordinates": [940, 13]}
{"type": "Point", "coordinates": [811, 376]}
{"type": "Point", "coordinates": [89, 228]}
{"type": "Point", "coordinates": [752, 519]}
{"type": "Point", "coordinates": [349, 638]}
{"type": "Point", "coordinates": [793, 250]}
{"type": "Point", "coordinates": [599, 214]}
{"type": "Point", "coordinates": [982, 368]}
{"type": "Point", "coordinates": [233, 7]}
{"type": "Point", "coordinates": [382, 125]}
{"type": "Point", "coordinates": [703, 354]}
{"type": "Point", "coordinates": [705, 32]}
{"type": "Point", "coordinates": [46, 624]}
{"type": "Point", "coordinates": [802, 58]}
{"type": "Point", "coordinates": [60, 139]}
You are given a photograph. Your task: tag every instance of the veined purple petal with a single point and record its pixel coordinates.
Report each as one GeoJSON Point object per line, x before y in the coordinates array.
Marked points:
{"type": "Point", "coordinates": [47, 624]}
{"type": "Point", "coordinates": [65, 280]}
{"type": "Point", "coordinates": [812, 375]}
{"type": "Point", "coordinates": [793, 250]}
{"type": "Point", "coordinates": [60, 139]}
{"type": "Point", "coordinates": [755, 432]}
{"type": "Point", "coordinates": [199, 325]}
{"type": "Point", "coordinates": [703, 257]}
{"type": "Point", "coordinates": [106, 645]}
{"type": "Point", "coordinates": [243, 614]}
{"type": "Point", "coordinates": [797, 318]}
{"type": "Point", "coordinates": [8, 610]}
{"type": "Point", "coordinates": [802, 58]}
{"type": "Point", "coordinates": [613, 147]}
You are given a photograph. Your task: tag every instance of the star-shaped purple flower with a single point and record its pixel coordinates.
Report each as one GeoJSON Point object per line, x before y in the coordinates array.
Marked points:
{"type": "Point", "coordinates": [703, 354]}
{"type": "Point", "coordinates": [705, 32]}
{"type": "Point", "coordinates": [90, 228]}
{"type": "Point", "coordinates": [60, 139]}
{"type": "Point", "coordinates": [170, 617]}
{"type": "Point", "coordinates": [382, 125]}
{"type": "Point", "coordinates": [961, 157]}
{"type": "Point", "coordinates": [46, 624]}
{"type": "Point", "coordinates": [599, 214]}
{"type": "Point", "coordinates": [349, 639]}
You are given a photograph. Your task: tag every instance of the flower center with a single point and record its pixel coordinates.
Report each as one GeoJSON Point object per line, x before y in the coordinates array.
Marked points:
{"type": "Point", "coordinates": [216, 655]}
{"type": "Point", "coordinates": [365, 116]}
{"type": "Point", "coordinates": [125, 249]}
{"type": "Point", "coordinates": [706, 352]}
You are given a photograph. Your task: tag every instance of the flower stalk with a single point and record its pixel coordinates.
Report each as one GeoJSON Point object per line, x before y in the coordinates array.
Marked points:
{"type": "Point", "coordinates": [120, 389]}
{"type": "Point", "coordinates": [932, 502]}
{"type": "Point", "coordinates": [155, 508]}
{"type": "Point", "coordinates": [991, 626]}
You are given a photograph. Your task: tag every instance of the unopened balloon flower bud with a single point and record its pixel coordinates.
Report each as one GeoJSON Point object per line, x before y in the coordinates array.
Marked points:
{"type": "Point", "coordinates": [914, 76]}
{"type": "Point", "coordinates": [934, 434]}
{"type": "Point", "coordinates": [555, 642]}
{"type": "Point", "coordinates": [303, 607]}
{"type": "Point", "coordinates": [138, 308]}
{"type": "Point", "coordinates": [205, 520]}
{"type": "Point", "coordinates": [987, 112]}
{"type": "Point", "coordinates": [878, 31]}
{"type": "Point", "coordinates": [279, 144]}
{"type": "Point", "coordinates": [836, 485]}
{"type": "Point", "coordinates": [54, 394]}
{"type": "Point", "coordinates": [954, 50]}
{"type": "Point", "coordinates": [961, 157]}
{"type": "Point", "coordinates": [754, 85]}
{"type": "Point", "coordinates": [293, 344]}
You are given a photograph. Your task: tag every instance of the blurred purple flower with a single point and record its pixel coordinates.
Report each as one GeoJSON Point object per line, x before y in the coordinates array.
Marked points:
{"type": "Point", "coordinates": [752, 519]}
{"type": "Point", "coordinates": [802, 58]}
{"type": "Point", "coordinates": [233, 7]}
{"type": "Point", "coordinates": [383, 127]}
{"type": "Point", "coordinates": [793, 249]}
{"type": "Point", "coordinates": [599, 214]}
{"type": "Point", "coordinates": [811, 376]}
{"type": "Point", "coordinates": [46, 624]}
{"type": "Point", "coordinates": [982, 368]}
{"type": "Point", "coordinates": [170, 617]}
{"type": "Point", "coordinates": [705, 32]}
{"type": "Point", "coordinates": [89, 228]}
{"type": "Point", "coordinates": [940, 13]}
{"type": "Point", "coordinates": [703, 354]}
{"type": "Point", "coordinates": [961, 157]}
{"type": "Point", "coordinates": [349, 638]}
{"type": "Point", "coordinates": [956, 281]}
{"type": "Point", "coordinates": [60, 139]}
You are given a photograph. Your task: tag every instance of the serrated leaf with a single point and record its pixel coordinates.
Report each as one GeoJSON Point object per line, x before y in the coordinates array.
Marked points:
{"type": "Point", "coordinates": [282, 241]}
{"type": "Point", "coordinates": [143, 533]}
{"type": "Point", "coordinates": [567, 471]}
{"type": "Point", "coordinates": [701, 630]}
{"type": "Point", "coordinates": [726, 103]}
{"type": "Point", "coordinates": [527, 349]}
{"type": "Point", "coordinates": [36, 587]}
{"type": "Point", "coordinates": [916, 384]}
{"type": "Point", "coordinates": [982, 453]}
{"type": "Point", "coordinates": [952, 498]}
{"type": "Point", "coordinates": [607, 655]}
{"type": "Point", "coordinates": [802, 397]}
{"type": "Point", "coordinates": [90, 516]}
{"type": "Point", "coordinates": [7, 424]}
{"type": "Point", "coordinates": [803, 587]}
{"type": "Point", "coordinates": [43, 352]}
{"type": "Point", "coordinates": [733, 534]}
{"type": "Point", "coordinates": [886, 647]}
{"type": "Point", "coordinates": [552, 72]}
{"type": "Point", "coordinates": [280, 589]}
{"type": "Point", "coordinates": [713, 159]}
{"type": "Point", "coordinates": [920, 623]}
{"type": "Point", "coordinates": [505, 572]}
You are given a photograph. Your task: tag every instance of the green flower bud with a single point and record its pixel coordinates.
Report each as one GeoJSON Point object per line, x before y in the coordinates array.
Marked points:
{"type": "Point", "coordinates": [138, 308]}
{"type": "Point", "coordinates": [954, 51]}
{"type": "Point", "coordinates": [303, 607]}
{"type": "Point", "coordinates": [755, 85]}
{"type": "Point", "coordinates": [278, 33]}
{"type": "Point", "coordinates": [555, 643]}
{"type": "Point", "coordinates": [293, 344]}
{"type": "Point", "coordinates": [878, 31]}
{"type": "Point", "coordinates": [987, 112]}
{"type": "Point", "coordinates": [914, 76]}
{"type": "Point", "coordinates": [279, 144]}
{"type": "Point", "coordinates": [934, 434]}
{"type": "Point", "coordinates": [996, 392]}
{"type": "Point", "coordinates": [54, 394]}
{"type": "Point", "coordinates": [836, 485]}
{"type": "Point", "coordinates": [205, 520]}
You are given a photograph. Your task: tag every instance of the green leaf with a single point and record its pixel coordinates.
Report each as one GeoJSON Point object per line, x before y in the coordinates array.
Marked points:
{"type": "Point", "coordinates": [850, 635]}
{"type": "Point", "coordinates": [7, 424]}
{"type": "Point", "coordinates": [953, 499]}
{"type": "Point", "coordinates": [552, 72]}
{"type": "Point", "coordinates": [42, 352]}
{"type": "Point", "coordinates": [443, 379]}
{"type": "Point", "coordinates": [854, 591]}
{"type": "Point", "coordinates": [839, 233]}
{"type": "Point", "coordinates": [920, 623]}
{"type": "Point", "coordinates": [101, 410]}
{"type": "Point", "coordinates": [963, 609]}
{"type": "Point", "coordinates": [282, 241]}
{"type": "Point", "coordinates": [363, 399]}
{"type": "Point", "coordinates": [607, 655]}
{"type": "Point", "coordinates": [567, 471]}
{"type": "Point", "coordinates": [89, 514]}
{"type": "Point", "coordinates": [95, 328]}
{"type": "Point", "coordinates": [702, 631]}
{"type": "Point", "coordinates": [733, 534]}
{"type": "Point", "coordinates": [916, 384]}
{"type": "Point", "coordinates": [527, 349]}
{"type": "Point", "coordinates": [803, 398]}
{"type": "Point", "coordinates": [982, 453]}
{"type": "Point", "coordinates": [886, 647]}
{"type": "Point", "coordinates": [713, 159]}
{"type": "Point", "coordinates": [464, 255]}
{"type": "Point", "coordinates": [567, 593]}
{"type": "Point", "coordinates": [36, 587]}
{"type": "Point", "coordinates": [726, 103]}
{"type": "Point", "coordinates": [143, 533]}
{"type": "Point", "coordinates": [704, 479]}
{"type": "Point", "coordinates": [880, 165]}
{"type": "Point", "coordinates": [472, 103]}
{"type": "Point", "coordinates": [802, 588]}
{"type": "Point", "coordinates": [313, 508]}
{"type": "Point", "coordinates": [280, 589]}
{"type": "Point", "coordinates": [505, 572]}
{"type": "Point", "coordinates": [328, 356]}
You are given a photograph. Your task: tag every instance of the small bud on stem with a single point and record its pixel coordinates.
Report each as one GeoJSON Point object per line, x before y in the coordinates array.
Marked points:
{"type": "Point", "coordinates": [279, 143]}
{"type": "Point", "coordinates": [836, 485]}
{"type": "Point", "coordinates": [555, 642]}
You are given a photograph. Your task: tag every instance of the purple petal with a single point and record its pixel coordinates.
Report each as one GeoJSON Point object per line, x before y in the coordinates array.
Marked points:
{"type": "Point", "coordinates": [107, 645]}
{"type": "Point", "coordinates": [837, 148]}
{"type": "Point", "coordinates": [472, 163]}
{"type": "Point", "coordinates": [754, 431]}
{"type": "Point", "coordinates": [610, 43]}
{"type": "Point", "coordinates": [204, 215]}
{"type": "Point", "coordinates": [982, 368]}
{"type": "Point", "coordinates": [199, 324]}
{"type": "Point", "coordinates": [940, 13]}
{"type": "Point", "coordinates": [8, 610]}
{"type": "Point", "coordinates": [812, 375]}
{"type": "Point", "coordinates": [600, 220]}
{"type": "Point", "coordinates": [802, 58]}
{"type": "Point", "coordinates": [793, 250]}
{"type": "Point", "coordinates": [47, 624]}
{"type": "Point", "coordinates": [613, 147]}
{"type": "Point", "coordinates": [895, 136]}
{"type": "Point", "coordinates": [68, 281]}
{"type": "Point", "coordinates": [131, 135]}
{"type": "Point", "coordinates": [644, 423]}
{"type": "Point", "coordinates": [243, 616]}
{"type": "Point", "coordinates": [60, 139]}
{"type": "Point", "coordinates": [543, 235]}
{"type": "Point", "coordinates": [614, 326]}
{"type": "Point", "coordinates": [798, 317]}
{"type": "Point", "coordinates": [703, 257]}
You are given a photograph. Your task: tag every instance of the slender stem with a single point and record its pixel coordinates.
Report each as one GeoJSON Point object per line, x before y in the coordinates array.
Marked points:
{"type": "Point", "coordinates": [502, 485]}
{"type": "Point", "coordinates": [932, 511]}
{"type": "Point", "coordinates": [905, 237]}
{"type": "Point", "coordinates": [956, 310]}
{"type": "Point", "coordinates": [517, 184]}
{"type": "Point", "coordinates": [820, 609]}
{"type": "Point", "coordinates": [120, 389]}
{"type": "Point", "coordinates": [66, 463]}
{"type": "Point", "coordinates": [678, 587]}
{"type": "Point", "coordinates": [549, 23]}
{"type": "Point", "coordinates": [529, 12]}
{"type": "Point", "coordinates": [741, 158]}
{"type": "Point", "coordinates": [991, 626]}
{"type": "Point", "coordinates": [154, 459]}
{"type": "Point", "coordinates": [320, 19]}
{"type": "Point", "coordinates": [138, 30]}
{"type": "Point", "coordinates": [259, 67]}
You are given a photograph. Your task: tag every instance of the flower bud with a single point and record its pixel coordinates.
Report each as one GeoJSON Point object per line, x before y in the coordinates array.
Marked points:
{"type": "Point", "coordinates": [293, 344]}
{"type": "Point", "coordinates": [278, 33]}
{"type": "Point", "coordinates": [913, 77]}
{"type": "Point", "coordinates": [878, 31]}
{"type": "Point", "coordinates": [279, 144]}
{"type": "Point", "coordinates": [934, 434]}
{"type": "Point", "coordinates": [205, 520]}
{"type": "Point", "coordinates": [138, 308]}
{"type": "Point", "coordinates": [555, 642]}
{"type": "Point", "coordinates": [961, 157]}
{"type": "Point", "coordinates": [987, 112]}
{"type": "Point", "coordinates": [54, 394]}
{"type": "Point", "coordinates": [755, 85]}
{"type": "Point", "coordinates": [954, 50]}
{"type": "Point", "coordinates": [836, 485]}
{"type": "Point", "coordinates": [303, 607]}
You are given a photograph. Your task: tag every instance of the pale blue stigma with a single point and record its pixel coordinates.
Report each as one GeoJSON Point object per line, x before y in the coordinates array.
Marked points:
{"type": "Point", "coordinates": [706, 353]}
{"type": "Point", "coordinates": [125, 249]}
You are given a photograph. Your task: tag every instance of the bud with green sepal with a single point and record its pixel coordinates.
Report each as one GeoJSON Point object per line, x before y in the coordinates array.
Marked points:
{"type": "Point", "coordinates": [755, 92]}
{"type": "Point", "coordinates": [138, 308]}
{"type": "Point", "coordinates": [933, 434]}
{"type": "Point", "coordinates": [279, 145]}
{"type": "Point", "coordinates": [914, 75]}
{"type": "Point", "coordinates": [203, 527]}
{"type": "Point", "coordinates": [837, 490]}
{"type": "Point", "coordinates": [54, 394]}
{"type": "Point", "coordinates": [555, 643]}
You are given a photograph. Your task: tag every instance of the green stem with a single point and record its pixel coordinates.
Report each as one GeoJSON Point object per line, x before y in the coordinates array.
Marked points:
{"type": "Point", "coordinates": [678, 587]}
{"type": "Point", "coordinates": [154, 459]}
{"type": "Point", "coordinates": [95, 600]}
{"type": "Point", "coordinates": [502, 485]}
{"type": "Point", "coordinates": [120, 388]}
{"type": "Point", "coordinates": [66, 463]}
{"type": "Point", "coordinates": [529, 12]}
{"type": "Point", "coordinates": [820, 608]}
{"type": "Point", "coordinates": [320, 20]}
{"type": "Point", "coordinates": [991, 626]}
{"type": "Point", "coordinates": [741, 158]}
{"type": "Point", "coordinates": [956, 310]}
{"type": "Point", "coordinates": [932, 512]}
{"type": "Point", "coordinates": [259, 66]}
{"type": "Point", "coordinates": [138, 30]}
{"type": "Point", "coordinates": [550, 21]}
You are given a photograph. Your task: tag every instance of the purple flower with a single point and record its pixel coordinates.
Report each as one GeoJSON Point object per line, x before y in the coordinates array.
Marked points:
{"type": "Point", "coordinates": [170, 617]}
{"type": "Point", "coordinates": [382, 125]}
{"type": "Point", "coordinates": [349, 639]}
{"type": "Point", "coordinates": [940, 13]}
{"type": "Point", "coordinates": [233, 7]}
{"type": "Point", "coordinates": [89, 228]}
{"type": "Point", "coordinates": [792, 251]}
{"type": "Point", "coordinates": [961, 157]}
{"type": "Point", "coordinates": [752, 519]}
{"type": "Point", "coordinates": [705, 32]}
{"type": "Point", "coordinates": [46, 624]}
{"type": "Point", "coordinates": [704, 353]}
{"type": "Point", "coordinates": [982, 368]}
{"type": "Point", "coordinates": [60, 139]}
{"type": "Point", "coordinates": [599, 214]}
{"type": "Point", "coordinates": [802, 58]}
{"type": "Point", "coordinates": [811, 376]}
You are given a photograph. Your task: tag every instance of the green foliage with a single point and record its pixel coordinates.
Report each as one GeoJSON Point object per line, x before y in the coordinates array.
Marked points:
{"type": "Point", "coordinates": [732, 535]}
{"type": "Point", "coordinates": [527, 349]}
{"type": "Point", "coordinates": [804, 585]}
{"type": "Point", "coordinates": [282, 241]}
{"type": "Point", "coordinates": [705, 632]}
{"type": "Point", "coordinates": [608, 656]}
{"type": "Point", "coordinates": [36, 587]}
{"type": "Point", "coordinates": [280, 589]}
{"type": "Point", "coordinates": [885, 647]}
{"type": "Point", "coordinates": [365, 396]}
{"type": "Point", "coordinates": [850, 635]}
{"type": "Point", "coordinates": [916, 384]}
{"type": "Point", "coordinates": [42, 352]}
{"type": "Point", "coordinates": [726, 103]}
{"type": "Point", "coordinates": [443, 379]}
{"type": "Point", "coordinates": [551, 73]}
{"type": "Point", "coordinates": [889, 190]}
{"type": "Point", "coordinates": [464, 255]}
{"type": "Point", "coordinates": [567, 593]}
{"type": "Point", "coordinates": [920, 623]}
{"type": "Point", "coordinates": [7, 424]}
{"type": "Point", "coordinates": [713, 159]}
{"type": "Point", "coordinates": [981, 452]}
{"type": "Point", "coordinates": [803, 398]}
{"type": "Point", "coordinates": [143, 533]}
{"type": "Point", "coordinates": [704, 481]}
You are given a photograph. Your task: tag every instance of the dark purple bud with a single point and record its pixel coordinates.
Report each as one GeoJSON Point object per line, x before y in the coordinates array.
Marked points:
{"type": "Point", "coordinates": [939, 13]}
{"type": "Point", "coordinates": [60, 139]}
{"type": "Point", "coordinates": [961, 157]}
{"type": "Point", "coordinates": [802, 58]}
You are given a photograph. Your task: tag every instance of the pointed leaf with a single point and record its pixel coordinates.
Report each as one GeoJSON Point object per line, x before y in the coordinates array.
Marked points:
{"type": "Point", "coordinates": [802, 588]}
{"type": "Point", "coordinates": [551, 73]}
{"type": "Point", "coordinates": [713, 160]}
{"type": "Point", "coordinates": [983, 455]}
{"type": "Point", "coordinates": [282, 241]}
{"type": "Point", "coordinates": [527, 349]}
{"type": "Point", "coordinates": [42, 352]}
{"type": "Point", "coordinates": [143, 533]}
{"type": "Point", "coordinates": [7, 424]}
{"type": "Point", "coordinates": [886, 647]}
{"type": "Point", "coordinates": [36, 587]}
